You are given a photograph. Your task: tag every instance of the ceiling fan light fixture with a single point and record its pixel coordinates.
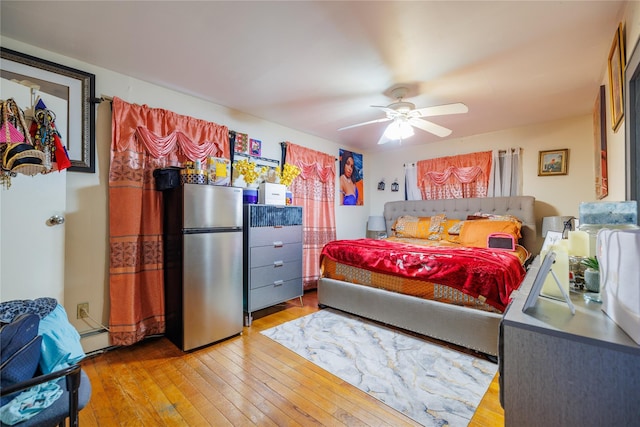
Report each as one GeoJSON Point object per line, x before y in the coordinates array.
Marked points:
{"type": "Point", "coordinates": [399, 130]}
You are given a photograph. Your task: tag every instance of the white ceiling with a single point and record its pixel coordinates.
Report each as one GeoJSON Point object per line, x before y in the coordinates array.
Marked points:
{"type": "Point", "coordinates": [316, 66]}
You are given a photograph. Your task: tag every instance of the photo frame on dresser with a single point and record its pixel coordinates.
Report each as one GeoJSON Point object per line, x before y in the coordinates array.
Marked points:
{"type": "Point", "coordinates": [538, 282]}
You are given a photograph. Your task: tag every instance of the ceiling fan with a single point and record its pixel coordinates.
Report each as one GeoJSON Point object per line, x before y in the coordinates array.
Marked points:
{"type": "Point", "coordinates": [404, 117]}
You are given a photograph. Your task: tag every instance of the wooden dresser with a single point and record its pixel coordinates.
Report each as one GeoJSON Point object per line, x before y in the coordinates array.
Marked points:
{"type": "Point", "coordinates": [272, 256]}
{"type": "Point", "coordinates": [559, 369]}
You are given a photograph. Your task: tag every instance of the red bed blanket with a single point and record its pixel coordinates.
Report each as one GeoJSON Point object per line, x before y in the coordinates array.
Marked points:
{"type": "Point", "coordinates": [482, 273]}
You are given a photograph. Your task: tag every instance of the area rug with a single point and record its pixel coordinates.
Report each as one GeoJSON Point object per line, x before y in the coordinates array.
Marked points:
{"type": "Point", "coordinates": [433, 385]}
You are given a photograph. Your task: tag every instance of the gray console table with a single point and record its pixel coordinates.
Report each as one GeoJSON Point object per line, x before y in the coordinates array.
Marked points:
{"type": "Point", "coordinates": [558, 369]}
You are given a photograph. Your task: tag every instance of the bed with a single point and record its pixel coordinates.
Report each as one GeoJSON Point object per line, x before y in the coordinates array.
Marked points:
{"type": "Point", "coordinates": [473, 324]}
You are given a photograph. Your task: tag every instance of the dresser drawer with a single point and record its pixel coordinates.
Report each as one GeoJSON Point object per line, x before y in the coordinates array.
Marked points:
{"type": "Point", "coordinates": [275, 293]}
{"type": "Point", "coordinates": [267, 255]}
{"type": "Point", "coordinates": [268, 236]}
{"type": "Point", "coordinates": [274, 273]}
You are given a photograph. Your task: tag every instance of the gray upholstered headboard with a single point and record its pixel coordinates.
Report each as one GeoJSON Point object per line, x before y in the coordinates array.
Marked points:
{"type": "Point", "coordinates": [519, 206]}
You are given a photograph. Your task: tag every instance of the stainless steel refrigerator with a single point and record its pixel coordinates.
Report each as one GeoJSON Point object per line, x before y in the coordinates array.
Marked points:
{"type": "Point", "coordinates": [203, 264]}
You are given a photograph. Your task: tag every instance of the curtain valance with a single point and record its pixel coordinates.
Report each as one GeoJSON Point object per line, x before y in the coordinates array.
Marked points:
{"type": "Point", "coordinates": [465, 175]}
{"type": "Point", "coordinates": [313, 164]}
{"type": "Point", "coordinates": [161, 132]}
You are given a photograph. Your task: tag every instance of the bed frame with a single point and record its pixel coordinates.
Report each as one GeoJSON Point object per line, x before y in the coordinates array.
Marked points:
{"type": "Point", "coordinates": [467, 327]}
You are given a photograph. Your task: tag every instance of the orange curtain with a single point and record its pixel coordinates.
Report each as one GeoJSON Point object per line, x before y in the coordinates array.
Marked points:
{"type": "Point", "coordinates": [314, 190]}
{"type": "Point", "coordinates": [455, 177]}
{"type": "Point", "coordinates": [144, 139]}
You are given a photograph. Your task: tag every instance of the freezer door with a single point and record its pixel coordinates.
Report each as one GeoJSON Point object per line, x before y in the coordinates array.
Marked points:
{"type": "Point", "coordinates": [210, 206]}
{"type": "Point", "coordinates": [212, 287]}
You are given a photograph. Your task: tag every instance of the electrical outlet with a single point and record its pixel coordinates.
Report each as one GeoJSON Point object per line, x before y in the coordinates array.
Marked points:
{"type": "Point", "coordinates": [83, 310]}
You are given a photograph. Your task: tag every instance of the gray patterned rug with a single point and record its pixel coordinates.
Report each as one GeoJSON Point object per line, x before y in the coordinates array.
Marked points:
{"type": "Point", "coordinates": [433, 385]}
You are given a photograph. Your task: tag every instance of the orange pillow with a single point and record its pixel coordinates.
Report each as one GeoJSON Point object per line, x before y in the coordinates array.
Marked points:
{"type": "Point", "coordinates": [430, 228]}
{"type": "Point", "coordinates": [475, 233]}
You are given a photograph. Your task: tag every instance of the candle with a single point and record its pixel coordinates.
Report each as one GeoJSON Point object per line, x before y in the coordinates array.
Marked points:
{"type": "Point", "coordinates": [579, 243]}
{"type": "Point", "coordinates": [561, 269]}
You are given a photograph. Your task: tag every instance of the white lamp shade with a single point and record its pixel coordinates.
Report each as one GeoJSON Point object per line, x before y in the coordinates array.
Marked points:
{"type": "Point", "coordinates": [555, 223]}
{"type": "Point", "coordinates": [376, 223]}
{"type": "Point", "coordinates": [399, 129]}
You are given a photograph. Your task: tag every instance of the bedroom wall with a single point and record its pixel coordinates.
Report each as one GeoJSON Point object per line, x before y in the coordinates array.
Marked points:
{"type": "Point", "coordinates": [86, 264]}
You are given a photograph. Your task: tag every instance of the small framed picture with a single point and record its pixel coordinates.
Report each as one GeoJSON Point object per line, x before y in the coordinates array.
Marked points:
{"type": "Point", "coordinates": [240, 142]}
{"type": "Point", "coordinates": [255, 147]}
{"type": "Point", "coordinates": [553, 162]}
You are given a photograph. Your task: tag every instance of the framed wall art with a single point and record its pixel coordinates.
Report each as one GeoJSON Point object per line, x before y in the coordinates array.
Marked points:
{"type": "Point", "coordinates": [553, 162]}
{"type": "Point", "coordinates": [75, 89]}
{"type": "Point", "coordinates": [600, 144]}
{"type": "Point", "coordinates": [255, 147]}
{"type": "Point", "coordinates": [616, 69]}
{"type": "Point", "coordinates": [239, 141]}
{"type": "Point", "coordinates": [351, 179]}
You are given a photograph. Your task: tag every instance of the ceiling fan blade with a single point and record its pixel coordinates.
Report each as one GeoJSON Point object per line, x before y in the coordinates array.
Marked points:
{"type": "Point", "coordinates": [430, 127]}
{"type": "Point", "coordinates": [441, 110]}
{"type": "Point", "coordinates": [386, 119]}
{"type": "Point", "coordinates": [383, 140]}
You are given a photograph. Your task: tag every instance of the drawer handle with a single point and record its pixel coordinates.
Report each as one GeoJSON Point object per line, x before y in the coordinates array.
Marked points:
{"type": "Point", "coordinates": [278, 283]}
{"type": "Point", "coordinates": [278, 244]}
{"type": "Point", "coordinates": [278, 263]}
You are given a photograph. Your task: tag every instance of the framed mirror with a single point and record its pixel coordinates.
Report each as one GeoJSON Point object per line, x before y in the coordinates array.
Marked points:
{"type": "Point", "coordinates": [73, 89]}
{"type": "Point", "coordinates": [632, 125]}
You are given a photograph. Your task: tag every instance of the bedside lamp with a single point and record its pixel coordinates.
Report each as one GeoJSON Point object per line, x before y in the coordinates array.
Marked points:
{"type": "Point", "coordinates": [377, 225]}
{"type": "Point", "coordinates": [557, 223]}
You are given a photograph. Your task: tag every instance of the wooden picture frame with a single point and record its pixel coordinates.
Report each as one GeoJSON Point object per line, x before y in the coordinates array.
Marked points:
{"type": "Point", "coordinates": [553, 162]}
{"type": "Point", "coordinates": [75, 87]}
{"type": "Point", "coordinates": [616, 69]}
{"type": "Point", "coordinates": [600, 144]}
{"type": "Point", "coordinates": [255, 147]}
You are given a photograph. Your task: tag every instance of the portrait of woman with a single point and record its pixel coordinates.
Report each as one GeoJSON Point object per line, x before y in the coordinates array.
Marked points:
{"type": "Point", "coordinates": [351, 182]}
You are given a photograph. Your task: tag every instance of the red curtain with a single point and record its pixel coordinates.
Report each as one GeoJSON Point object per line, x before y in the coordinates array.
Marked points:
{"type": "Point", "coordinates": [144, 139]}
{"type": "Point", "coordinates": [455, 177]}
{"type": "Point", "coordinates": [314, 190]}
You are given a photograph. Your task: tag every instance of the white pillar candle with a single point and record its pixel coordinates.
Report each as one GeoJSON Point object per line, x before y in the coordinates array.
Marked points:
{"type": "Point", "coordinates": [561, 269]}
{"type": "Point", "coordinates": [578, 243]}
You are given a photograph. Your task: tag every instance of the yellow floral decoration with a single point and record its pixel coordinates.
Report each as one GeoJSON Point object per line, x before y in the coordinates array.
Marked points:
{"type": "Point", "coordinates": [248, 170]}
{"type": "Point", "coordinates": [288, 174]}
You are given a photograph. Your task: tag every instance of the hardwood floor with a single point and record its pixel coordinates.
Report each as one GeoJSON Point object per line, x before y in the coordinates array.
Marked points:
{"type": "Point", "coordinates": [245, 380]}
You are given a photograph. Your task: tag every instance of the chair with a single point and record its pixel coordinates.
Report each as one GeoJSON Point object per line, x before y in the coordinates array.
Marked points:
{"type": "Point", "coordinates": [76, 393]}
{"type": "Point", "coordinates": [28, 362]}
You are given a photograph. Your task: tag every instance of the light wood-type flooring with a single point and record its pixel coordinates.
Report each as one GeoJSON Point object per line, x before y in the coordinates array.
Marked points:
{"type": "Point", "coordinates": [245, 380]}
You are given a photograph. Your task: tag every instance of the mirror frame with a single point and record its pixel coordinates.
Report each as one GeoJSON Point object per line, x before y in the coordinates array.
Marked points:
{"type": "Point", "coordinates": [632, 125]}
{"type": "Point", "coordinates": [82, 159]}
